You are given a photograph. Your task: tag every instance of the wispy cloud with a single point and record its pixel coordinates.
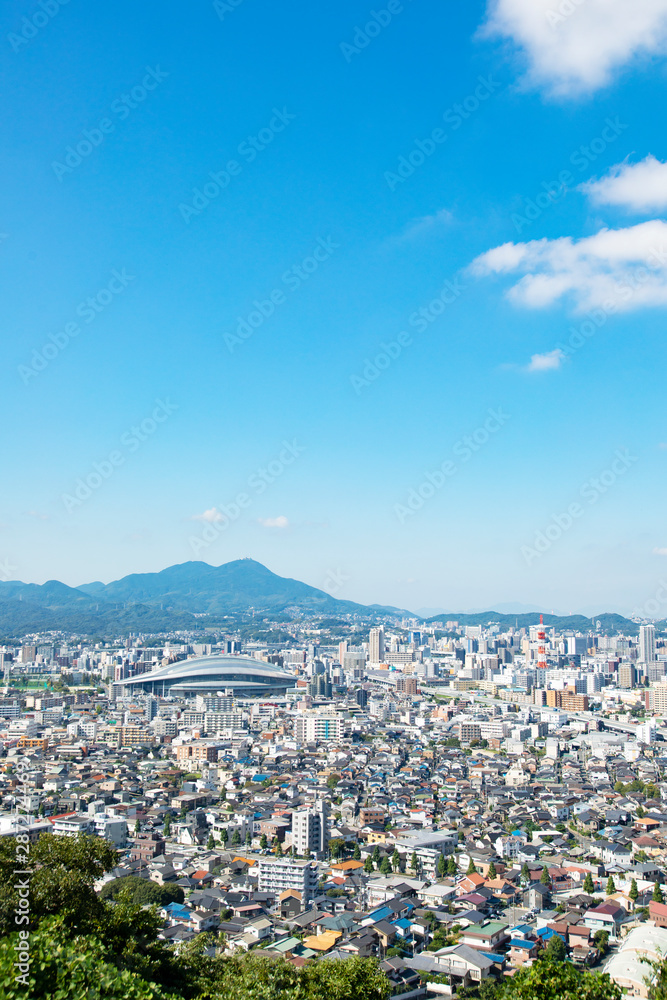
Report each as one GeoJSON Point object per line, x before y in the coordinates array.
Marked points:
{"type": "Point", "coordinates": [547, 362]}
{"type": "Point", "coordinates": [37, 515]}
{"type": "Point", "coordinates": [427, 224]}
{"type": "Point", "coordinates": [212, 516]}
{"type": "Point", "coordinates": [274, 522]}
{"type": "Point", "coordinates": [625, 267]}
{"type": "Point", "coordinates": [660, 552]}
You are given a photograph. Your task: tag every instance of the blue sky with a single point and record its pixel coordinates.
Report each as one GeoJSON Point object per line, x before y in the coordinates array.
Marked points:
{"type": "Point", "coordinates": [116, 118]}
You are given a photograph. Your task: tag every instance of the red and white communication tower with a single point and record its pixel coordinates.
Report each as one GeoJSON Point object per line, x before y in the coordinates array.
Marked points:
{"type": "Point", "coordinates": [541, 646]}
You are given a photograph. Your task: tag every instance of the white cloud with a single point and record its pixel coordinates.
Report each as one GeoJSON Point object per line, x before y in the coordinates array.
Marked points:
{"type": "Point", "coordinates": [577, 46]}
{"type": "Point", "coordinates": [616, 269]}
{"type": "Point", "coordinates": [660, 552]}
{"type": "Point", "coordinates": [274, 522]}
{"type": "Point", "coordinates": [549, 361]}
{"type": "Point", "coordinates": [427, 223]}
{"type": "Point", "coordinates": [37, 515]}
{"type": "Point", "coordinates": [212, 516]}
{"type": "Point", "coordinates": [640, 187]}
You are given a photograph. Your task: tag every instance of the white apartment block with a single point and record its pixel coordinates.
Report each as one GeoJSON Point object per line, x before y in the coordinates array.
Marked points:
{"type": "Point", "coordinates": [278, 874]}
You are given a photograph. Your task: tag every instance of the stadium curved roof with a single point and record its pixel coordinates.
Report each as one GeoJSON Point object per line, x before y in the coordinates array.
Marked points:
{"type": "Point", "coordinates": [243, 675]}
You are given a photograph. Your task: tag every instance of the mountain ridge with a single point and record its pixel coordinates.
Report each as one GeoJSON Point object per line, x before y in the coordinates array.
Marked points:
{"type": "Point", "coordinates": [186, 594]}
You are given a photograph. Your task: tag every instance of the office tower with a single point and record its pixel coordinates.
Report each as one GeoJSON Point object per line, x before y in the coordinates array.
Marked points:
{"type": "Point", "coordinates": [151, 707]}
{"type": "Point", "coordinates": [647, 643]}
{"type": "Point", "coordinates": [376, 645]}
{"type": "Point", "coordinates": [627, 676]}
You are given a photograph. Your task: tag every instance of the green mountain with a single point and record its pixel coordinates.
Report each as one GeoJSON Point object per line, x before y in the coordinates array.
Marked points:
{"type": "Point", "coordinates": [165, 601]}
{"type": "Point", "coordinates": [175, 597]}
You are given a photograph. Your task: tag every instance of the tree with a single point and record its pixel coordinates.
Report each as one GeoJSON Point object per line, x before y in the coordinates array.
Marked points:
{"type": "Point", "coordinates": [142, 891]}
{"type": "Point", "coordinates": [248, 838]}
{"type": "Point", "coordinates": [210, 843]}
{"type": "Point", "coordinates": [385, 866]}
{"type": "Point", "coordinates": [588, 884]}
{"type": "Point", "coordinates": [376, 855]}
{"type": "Point", "coordinates": [657, 896]}
{"type": "Point", "coordinates": [64, 870]}
{"type": "Point", "coordinates": [492, 873]}
{"type": "Point", "coordinates": [611, 888]}
{"type": "Point", "coordinates": [336, 845]}
{"type": "Point", "coordinates": [442, 867]}
{"type": "Point", "coordinates": [166, 829]}
{"type": "Point", "coordinates": [279, 849]}
{"type": "Point", "coordinates": [396, 860]}
{"type": "Point", "coordinates": [601, 941]}
{"type": "Point", "coordinates": [356, 854]}
{"type": "Point", "coordinates": [471, 868]}
{"type": "Point", "coordinates": [545, 878]}
{"type": "Point", "coordinates": [333, 780]}
{"type": "Point", "coordinates": [236, 837]}
{"type": "Point", "coordinates": [451, 865]}
{"type": "Point", "coordinates": [66, 968]}
{"type": "Point", "coordinates": [525, 872]}
{"type": "Point", "coordinates": [414, 862]}
{"type": "Point", "coordinates": [263, 841]}
{"type": "Point", "coordinates": [137, 826]}
{"type": "Point", "coordinates": [556, 950]}
{"type": "Point", "coordinates": [224, 836]}
{"type": "Point", "coordinates": [550, 980]}
{"type": "Point", "coordinates": [368, 865]}
{"type": "Point", "coordinates": [634, 891]}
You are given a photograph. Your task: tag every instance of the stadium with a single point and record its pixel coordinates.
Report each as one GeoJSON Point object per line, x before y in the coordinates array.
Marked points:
{"type": "Point", "coordinates": [242, 675]}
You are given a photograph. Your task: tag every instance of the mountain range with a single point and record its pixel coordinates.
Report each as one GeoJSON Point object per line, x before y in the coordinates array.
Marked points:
{"type": "Point", "coordinates": [195, 594]}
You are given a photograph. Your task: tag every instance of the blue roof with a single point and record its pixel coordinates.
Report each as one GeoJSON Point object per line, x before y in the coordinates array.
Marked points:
{"type": "Point", "coordinates": [520, 943]}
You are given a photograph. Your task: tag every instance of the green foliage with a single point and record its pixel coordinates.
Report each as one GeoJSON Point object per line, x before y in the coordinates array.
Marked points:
{"type": "Point", "coordinates": [356, 854]}
{"type": "Point", "coordinates": [556, 950]}
{"type": "Point", "coordinates": [385, 866]}
{"type": "Point", "coordinates": [588, 884]}
{"type": "Point", "coordinates": [492, 873]}
{"type": "Point", "coordinates": [368, 865]}
{"type": "Point", "coordinates": [64, 870]}
{"type": "Point", "coordinates": [601, 941]}
{"type": "Point", "coordinates": [551, 980]}
{"type": "Point", "coordinates": [471, 868]}
{"type": "Point", "coordinates": [545, 878]}
{"type": "Point", "coordinates": [634, 891]}
{"type": "Point", "coordinates": [657, 896]}
{"type": "Point", "coordinates": [452, 868]}
{"type": "Point", "coordinates": [611, 887]}
{"type": "Point", "coordinates": [442, 867]}
{"type": "Point", "coordinates": [69, 968]}
{"type": "Point", "coordinates": [336, 846]}
{"type": "Point", "coordinates": [142, 891]}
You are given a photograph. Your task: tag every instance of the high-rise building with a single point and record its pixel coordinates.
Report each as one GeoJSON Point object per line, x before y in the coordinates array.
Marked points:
{"type": "Point", "coordinates": [376, 645]}
{"type": "Point", "coordinates": [627, 676]}
{"type": "Point", "coordinates": [647, 644]}
{"type": "Point", "coordinates": [310, 829]}
{"type": "Point", "coordinates": [279, 874]}
{"type": "Point", "coordinates": [310, 728]}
